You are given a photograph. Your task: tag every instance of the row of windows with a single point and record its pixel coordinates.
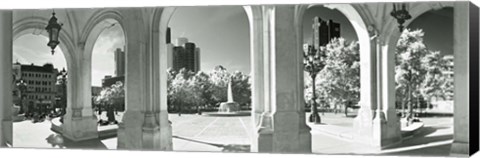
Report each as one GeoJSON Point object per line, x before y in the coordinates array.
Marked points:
{"type": "Point", "coordinates": [48, 97]}
{"type": "Point", "coordinates": [45, 83]}
{"type": "Point", "coordinates": [37, 75]}
{"type": "Point", "coordinates": [38, 89]}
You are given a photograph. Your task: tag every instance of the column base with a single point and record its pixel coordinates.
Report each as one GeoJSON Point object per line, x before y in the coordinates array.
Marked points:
{"type": "Point", "coordinates": [305, 139]}
{"type": "Point", "coordinates": [80, 128]}
{"type": "Point", "coordinates": [289, 136]}
{"type": "Point", "coordinates": [263, 134]}
{"type": "Point", "coordinates": [460, 149]}
{"type": "Point", "coordinates": [363, 126]}
{"type": "Point", "coordinates": [6, 134]}
{"type": "Point", "coordinates": [380, 132]}
{"type": "Point", "coordinates": [141, 131]}
{"type": "Point", "coordinates": [262, 141]}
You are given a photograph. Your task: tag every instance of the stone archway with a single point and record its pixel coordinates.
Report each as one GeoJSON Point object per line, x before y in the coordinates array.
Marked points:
{"type": "Point", "coordinates": [161, 19]}
{"type": "Point", "coordinates": [460, 144]}
{"type": "Point", "coordinates": [26, 25]}
{"type": "Point", "coordinates": [88, 38]}
{"type": "Point", "coordinates": [374, 110]}
{"type": "Point", "coordinates": [95, 25]}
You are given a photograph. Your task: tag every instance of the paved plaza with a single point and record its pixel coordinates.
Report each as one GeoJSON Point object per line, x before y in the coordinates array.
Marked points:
{"type": "Point", "coordinates": [232, 134]}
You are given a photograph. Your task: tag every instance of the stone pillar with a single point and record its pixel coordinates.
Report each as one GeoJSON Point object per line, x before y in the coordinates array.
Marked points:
{"type": "Point", "coordinates": [261, 114]}
{"type": "Point", "coordinates": [283, 122]}
{"type": "Point", "coordinates": [256, 56]}
{"type": "Point", "coordinates": [363, 125]}
{"type": "Point", "coordinates": [145, 124]}
{"type": "Point", "coordinates": [390, 130]}
{"type": "Point", "coordinates": [79, 122]}
{"type": "Point", "coordinates": [6, 79]}
{"type": "Point", "coordinates": [377, 123]}
{"type": "Point", "coordinates": [460, 146]}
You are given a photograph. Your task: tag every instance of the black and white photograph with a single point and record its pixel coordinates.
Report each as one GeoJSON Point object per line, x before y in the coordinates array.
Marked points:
{"type": "Point", "coordinates": [358, 78]}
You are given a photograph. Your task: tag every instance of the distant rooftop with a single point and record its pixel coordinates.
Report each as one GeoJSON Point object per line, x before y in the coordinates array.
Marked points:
{"type": "Point", "coordinates": [35, 68]}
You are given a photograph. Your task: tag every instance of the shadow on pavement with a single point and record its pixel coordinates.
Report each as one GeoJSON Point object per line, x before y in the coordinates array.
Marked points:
{"type": "Point", "coordinates": [425, 140]}
{"type": "Point", "coordinates": [58, 140]}
{"type": "Point", "coordinates": [226, 147]}
{"type": "Point", "coordinates": [438, 150]}
{"type": "Point", "coordinates": [422, 138]}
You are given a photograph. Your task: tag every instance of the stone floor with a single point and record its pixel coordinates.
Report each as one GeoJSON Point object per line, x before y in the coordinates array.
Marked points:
{"type": "Point", "coordinates": [204, 133]}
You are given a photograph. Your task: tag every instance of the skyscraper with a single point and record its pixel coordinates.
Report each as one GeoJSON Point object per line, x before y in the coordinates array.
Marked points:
{"type": "Point", "coordinates": [168, 36]}
{"type": "Point", "coordinates": [181, 41]}
{"type": "Point", "coordinates": [119, 62]}
{"type": "Point", "coordinates": [324, 31]}
{"type": "Point", "coordinates": [197, 59]}
{"type": "Point", "coordinates": [186, 55]}
{"type": "Point", "coordinates": [334, 29]}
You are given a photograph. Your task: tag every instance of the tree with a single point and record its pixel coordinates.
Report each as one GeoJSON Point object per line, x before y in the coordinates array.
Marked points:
{"type": "Point", "coordinates": [339, 82]}
{"type": "Point", "coordinates": [201, 86]}
{"type": "Point", "coordinates": [109, 97]}
{"type": "Point", "coordinates": [435, 81]}
{"type": "Point", "coordinates": [187, 89]}
{"type": "Point", "coordinates": [241, 88]}
{"type": "Point", "coordinates": [181, 90]}
{"type": "Point", "coordinates": [418, 71]}
{"type": "Point", "coordinates": [219, 78]}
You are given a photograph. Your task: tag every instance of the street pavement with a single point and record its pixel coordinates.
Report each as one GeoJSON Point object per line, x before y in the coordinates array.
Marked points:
{"type": "Point", "coordinates": [233, 134]}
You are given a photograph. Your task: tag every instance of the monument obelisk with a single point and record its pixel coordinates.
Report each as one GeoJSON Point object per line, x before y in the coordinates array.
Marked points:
{"type": "Point", "coordinates": [230, 105]}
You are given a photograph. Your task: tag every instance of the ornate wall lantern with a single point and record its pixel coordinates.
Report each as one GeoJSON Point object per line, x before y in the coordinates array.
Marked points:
{"type": "Point", "coordinates": [53, 28]}
{"type": "Point", "coordinates": [400, 12]}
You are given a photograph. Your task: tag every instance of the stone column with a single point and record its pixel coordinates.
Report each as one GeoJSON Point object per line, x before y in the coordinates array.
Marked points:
{"type": "Point", "coordinates": [145, 124]}
{"type": "Point", "coordinates": [363, 125]}
{"type": "Point", "coordinates": [460, 146]}
{"type": "Point", "coordinates": [254, 14]}
{"type": "Point", "coordinates": [6, 80]}
{"type": "Point", "coordinates": [377, 124]}
{"type": "Point", "coordinates": [79, 123]}
{"type": "Point", "coordinates": [389, 132]}
{"type": "Point", "coordinates": [261, 114]}
{"type": "Point", "coordinates": [283, 83]}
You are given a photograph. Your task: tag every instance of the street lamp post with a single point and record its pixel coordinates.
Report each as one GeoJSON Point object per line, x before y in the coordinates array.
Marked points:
{"type": "Point", "coordinates": [63, 82]}
{"type": "Point", "coordinates": [313, 61]}
{"type": "Point", "coordinates": [22, 86]}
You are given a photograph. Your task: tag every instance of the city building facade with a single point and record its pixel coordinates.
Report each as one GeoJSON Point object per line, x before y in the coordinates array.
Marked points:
{"type": "Point", "coordinates": [40, 86]}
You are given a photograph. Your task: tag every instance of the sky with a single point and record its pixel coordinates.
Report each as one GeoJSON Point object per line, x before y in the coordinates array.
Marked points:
{"type": "Point", "coordinates": [103, 62]}
{"type": "Point", "coordinates": [222, 34]}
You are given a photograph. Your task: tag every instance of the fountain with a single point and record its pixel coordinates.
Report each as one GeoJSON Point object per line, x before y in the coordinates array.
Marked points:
{"type": "Point", "coordinates": [229, 108]}
{"type": "Point", "coordinates": [230, 105]}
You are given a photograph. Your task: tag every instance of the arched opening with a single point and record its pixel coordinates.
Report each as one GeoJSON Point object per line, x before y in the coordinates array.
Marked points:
{"type": "Point", "coordinates": [338, 82]}
{"type": "Point", "coordinates": [40, 86]}
{"type": "Point", "coordinates": [221, 39]}
{"type": "Point", "coordinates": [343, 83]}
{"type": "Point", "coordinates": [104, 76]}
{"type": "Point", "coordinates": [424, 74]}
{"type": "Point", "coordinates": [108, 73]}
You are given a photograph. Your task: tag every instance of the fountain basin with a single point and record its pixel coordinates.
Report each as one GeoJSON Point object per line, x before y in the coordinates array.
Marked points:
{"type": "Point", "coordinates": [228, 107]}
{"type": "Point", "coordinates": [227, 114]}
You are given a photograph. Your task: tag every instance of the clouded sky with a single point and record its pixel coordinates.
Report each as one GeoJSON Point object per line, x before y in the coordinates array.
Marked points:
{"type": "Point", "coordinates": [222, 34]}
{"type": "Point", "coordinates": [32, 48]}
